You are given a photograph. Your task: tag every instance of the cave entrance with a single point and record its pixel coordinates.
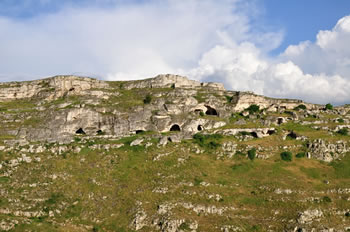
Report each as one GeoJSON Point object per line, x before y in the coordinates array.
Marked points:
{"type": "Point", "coordinates": [175, 127]}
{"type": "Point", "coordinates": [280, 121]}
{"type": "Point", "coordinates": [200, 128]}
{"type": "Point", "coordinates": [211, 111]}
{"type": "Point", "coordinates": [139, 131]}
{"type": "Point", "coordinates": [254, 134]}
{"type": "Point", "coordinates": [80, 131]}
{"type": "Point", "coordinates": [292, 135]}
{"type": "Point", "coordinates": [271, 132]}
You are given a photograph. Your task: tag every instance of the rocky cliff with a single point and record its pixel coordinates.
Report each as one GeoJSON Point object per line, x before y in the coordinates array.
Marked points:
{"type": "Point", "coordinates": [63, 105]}
{"type": "Point", "coordinates": [168, 154]}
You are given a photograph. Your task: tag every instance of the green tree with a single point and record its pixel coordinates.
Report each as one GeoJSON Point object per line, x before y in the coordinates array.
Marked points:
{"type": "Point", "coordinates": [286, 156]}
{"type": "Point", "coordinates": [147, 99]}
{"type": "Point", "coordinates": [253, 109]}
{"type": "Point", "coordinates": [329, 106]}
{"type": "Point", "coordinates": [252, 154]}
{"type": "Point", "coordinates": [343, 131]}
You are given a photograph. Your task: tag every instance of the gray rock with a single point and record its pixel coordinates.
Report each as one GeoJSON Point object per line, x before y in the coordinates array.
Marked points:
{"type": "Point", "coordinates": [136, 142]}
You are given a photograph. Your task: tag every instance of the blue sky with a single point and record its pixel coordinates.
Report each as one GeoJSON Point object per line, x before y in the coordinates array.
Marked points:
{"type": "Point", "coordinates": [279, 48]}
{"type": "Point", "coordinates": [302, 19]}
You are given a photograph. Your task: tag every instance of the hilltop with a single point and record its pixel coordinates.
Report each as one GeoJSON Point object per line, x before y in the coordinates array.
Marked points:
{"type": "Point", "coordinates": [168, 154]}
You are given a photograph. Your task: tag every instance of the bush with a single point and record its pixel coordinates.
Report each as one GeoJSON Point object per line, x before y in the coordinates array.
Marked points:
{"type": "Point", "coordinates": [252, 154]}
{"type": "Point", "coordinates": [213, 145]}
{"type": "Point", "coordinates": [147, 99]}
{"type": "Point", "coordinates": [329, 106]}
{"type": "Point", "coordinates": [300, 155]}
{"type": "Point", "coordinates": [253, 108]}
{"type": "Point", "coordinates": [286, 156]}
{"type": "Point", "coordinates": [201, 113]}
{"type": "Point", "coordinates": [229, 98]}
{"type": "Point", "coordinates": [326, 199]}
{"type": "Point", "coordinates": [207, 141]}
{"type": "Point", "coordinates": [300, 107]}
{"type": "Point", "coordinates": [340, 120]}
{"type": "Point", "coordinates": [343, 131]}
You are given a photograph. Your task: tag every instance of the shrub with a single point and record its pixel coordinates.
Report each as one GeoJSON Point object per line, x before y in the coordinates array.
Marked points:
{"type": "Point", "coordinates": [329, 106]}
{"type": "Point", "coordinates": [172, 86]}
{"type": "Point", "coordinates": [197, 181]}
{"type": "Point", "coordinates": [253, 108]}
{"type": "Point", "coordinates": [252, 154]}
{"type": "Point", "coordinates": [213, 145]}
{"type": "Point", "coordinates": [201, 113]}
{"type": "Point", "coordinates": [184, 226]}
{"type": "Point", "coordinates": [340, 120]}
{"type": "Point", "coordinates": [326, 199]}
{"type": "Point", "coordinates": [300, 155]}
{"type": "Point", "coordinates": [300, 107]}
{"type": "Point", "coordinates": [229, 98]}
{"type": "Point", "coordinates": [207, 141]}
{"type": "Point", "coordinates": [343, 131]}
{"type": "Point", "coordinates": [286, 156]}
{"type": "Point", "coordinates": [147, 99]}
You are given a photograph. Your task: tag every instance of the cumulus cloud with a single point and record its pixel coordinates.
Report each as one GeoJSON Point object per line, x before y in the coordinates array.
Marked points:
{"type": "Point", "coordinates": [206, 40]}
{"type": "Point", "coordinates": [122, 41]}
{"type": "Point", "coordinates": [330, 54]}
{"type": "Point", "coordinates": [316, 72]}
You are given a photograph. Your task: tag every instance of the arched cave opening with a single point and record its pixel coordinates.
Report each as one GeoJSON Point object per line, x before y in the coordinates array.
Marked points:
{"type": "Point", "coordinates": [198, 111]}
{"type": "Point", "coordinates": [211, 111]}
{"type": "Point", "coordinates": [292, 135]}
{"type": "Point", "coordinates": [139, 131]}
{"type": "Point", "coordinates": [254, 134]}
{"type": "Point", "coordinates": [271, 132]}
{"type": "Point", "coordinates": [80, 131]}
{"type": "Point", "coordinates": [200, 128]}
{"type": "Point", "coordinates": [280, 121]}
{"type": "Point", "coordinates": [175, 127]}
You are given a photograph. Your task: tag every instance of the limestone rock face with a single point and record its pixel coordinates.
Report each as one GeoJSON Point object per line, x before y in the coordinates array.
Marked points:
{"type": "Point", "coordinates": [321, 150]}
{"type": "Point", "coordinates": [66, 106]}
{"type": "Point", "coordinates": [50, 88]}
{"type": "Point", "coordinates": [309, 216]}
{"type": "Point", "coordinates": [174, 81]}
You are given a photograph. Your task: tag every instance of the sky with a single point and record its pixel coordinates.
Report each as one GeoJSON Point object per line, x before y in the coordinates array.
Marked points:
{"type": "Point", "coordinates": [286, 49]}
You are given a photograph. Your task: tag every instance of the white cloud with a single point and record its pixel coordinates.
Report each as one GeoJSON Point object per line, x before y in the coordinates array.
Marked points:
{"type": "Point", "coordinates": [330, 53]}
{"type": "Point", "coordinates": [135, 39]}
{"type": "Point", "coordinates": [207, 40]}
{"type": "Point", "coordinates": [316, 72]}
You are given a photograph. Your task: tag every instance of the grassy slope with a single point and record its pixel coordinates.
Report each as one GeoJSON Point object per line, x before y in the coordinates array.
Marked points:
{"type": "Point", "coordinates": [98, 188]}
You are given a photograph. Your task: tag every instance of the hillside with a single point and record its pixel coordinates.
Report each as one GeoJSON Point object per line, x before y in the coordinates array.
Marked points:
{"type": "Point", "coordinates": [168, 154]}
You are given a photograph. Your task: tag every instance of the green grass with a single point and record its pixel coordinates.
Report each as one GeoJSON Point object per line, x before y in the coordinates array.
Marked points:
{"type": "Point", "coordinates": [313, 173]}
{"type": "Point", "coordinates": [342, 168]}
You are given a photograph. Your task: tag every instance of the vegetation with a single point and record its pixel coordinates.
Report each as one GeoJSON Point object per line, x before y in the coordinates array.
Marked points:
{"type": "Point", "coordinates": [329, 106]}
{"type": "Point", "coordinates": [253, 109]}
{"type": "Point", "coordinates": [300, 155]}
{"type": "Point", "coordinates": [252, 154]}
{"type": "Point", "coordinates": [209, 141]}
{"type": "Point", "coordinates": [286, 156]}
{"type": "Point", "coordinates": [300, 107]}
{"type": "Point", "coordinates": [229, 98]}
{"type": "Point", "coordinates": [343, 131]}
{"type": "Point", "coordinates": [147, 99]}
{"type": "Point", "coordinates": [340, 120]}
{"type": "Point", "coordinates": [97, 183]}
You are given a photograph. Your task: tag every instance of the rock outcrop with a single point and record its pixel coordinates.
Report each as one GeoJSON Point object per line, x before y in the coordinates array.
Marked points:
{"type": "Point", "coordinates": [326, 151]}
{"type": "Point", "coordinates": [71, 105]}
